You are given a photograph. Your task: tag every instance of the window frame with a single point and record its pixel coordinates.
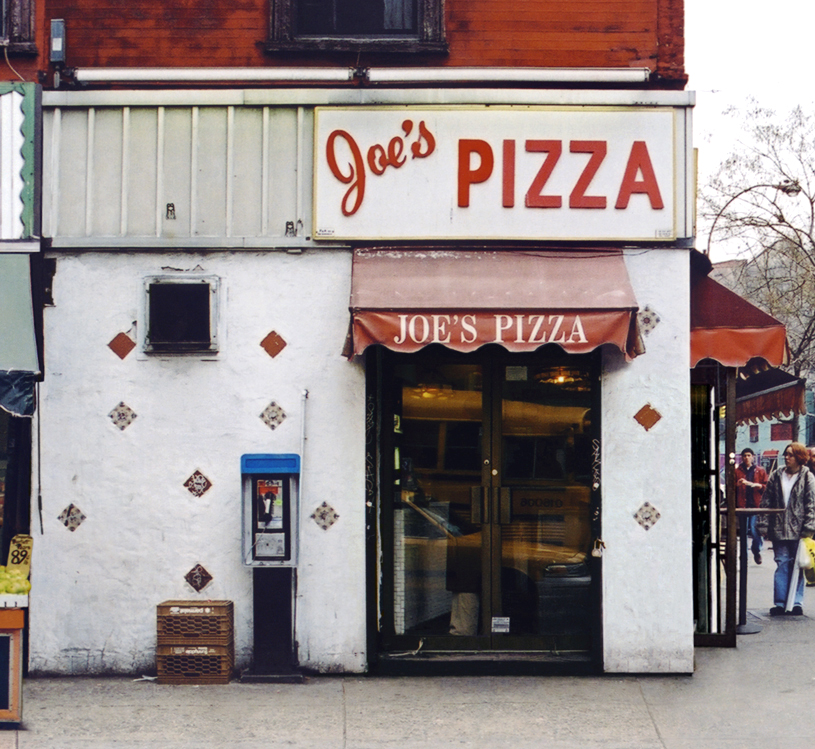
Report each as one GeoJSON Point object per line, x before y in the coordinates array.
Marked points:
{"type": "Point", "coordinates": [17, 32]}
{"type": "Point", "coordinates": [429, 38]}
{"type": "Point", "coordinates": [163, 349]}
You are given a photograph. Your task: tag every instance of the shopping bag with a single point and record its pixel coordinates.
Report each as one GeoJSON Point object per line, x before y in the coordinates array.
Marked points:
{"type": "Point", "coordinates": [809, 545]}
{"type": "Point", "coordinates": [804, 558]}
{"type": "Point", "coordinates": [809, 572]}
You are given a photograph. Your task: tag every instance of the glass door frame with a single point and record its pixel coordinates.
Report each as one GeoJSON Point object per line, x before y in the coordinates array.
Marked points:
{"type": "Point", "coordinates": [381, 591]}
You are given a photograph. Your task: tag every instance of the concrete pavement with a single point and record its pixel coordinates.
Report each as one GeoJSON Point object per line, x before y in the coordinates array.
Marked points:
{"type": "Point", "coordinates": [760, 694]}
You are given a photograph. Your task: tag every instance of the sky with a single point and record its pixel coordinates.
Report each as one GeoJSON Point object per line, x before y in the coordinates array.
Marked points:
{"type": "Point", "coordinates": [737, 49]}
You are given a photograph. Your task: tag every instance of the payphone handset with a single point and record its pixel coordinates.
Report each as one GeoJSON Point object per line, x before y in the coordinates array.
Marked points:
{"type": "Point", "coordinates": [270, 509]}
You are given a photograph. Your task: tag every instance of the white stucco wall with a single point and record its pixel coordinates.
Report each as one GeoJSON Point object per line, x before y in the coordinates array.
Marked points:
{"type": "Point", "coordinates": [647, 574]}
{"type": "Point", "coordinates": [95, 590]}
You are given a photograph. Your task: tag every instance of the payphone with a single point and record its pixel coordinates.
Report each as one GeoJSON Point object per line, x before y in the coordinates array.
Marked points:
{"type": "Point", "coordinates": [270, 509]}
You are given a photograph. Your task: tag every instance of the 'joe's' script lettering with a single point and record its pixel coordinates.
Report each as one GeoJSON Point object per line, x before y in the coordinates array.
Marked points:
{"type": "Point", "coordinates": [378, 158]}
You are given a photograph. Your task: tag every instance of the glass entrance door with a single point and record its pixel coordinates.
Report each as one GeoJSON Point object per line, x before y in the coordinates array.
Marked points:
{"type": "Point", "coordinates": [487, 542]}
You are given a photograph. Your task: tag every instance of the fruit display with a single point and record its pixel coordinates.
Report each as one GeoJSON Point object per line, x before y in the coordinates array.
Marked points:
{"type": "Point", "coordinates": [14, 581]}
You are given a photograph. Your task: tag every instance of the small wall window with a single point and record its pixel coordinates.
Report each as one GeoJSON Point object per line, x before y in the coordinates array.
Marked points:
{"type": "Point", "coordinates": [753, 432]}
{"type": "Point", "coordinates": [781, 431]}
{"type": "Point", "coordinates": [181, 315]}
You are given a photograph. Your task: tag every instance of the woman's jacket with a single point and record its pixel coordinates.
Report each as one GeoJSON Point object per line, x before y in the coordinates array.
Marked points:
{"type": "Point", "coordinates": [798, 518]}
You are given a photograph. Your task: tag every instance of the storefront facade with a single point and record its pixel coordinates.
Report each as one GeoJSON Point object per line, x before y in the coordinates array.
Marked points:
{"type": "Point", "coordinates": [467, 311]}
{"type": "Point", "coordinates": [20, 333]}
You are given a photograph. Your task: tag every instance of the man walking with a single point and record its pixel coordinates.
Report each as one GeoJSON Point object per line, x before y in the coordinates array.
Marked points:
{"type": "Point", "coordinates": [750, 483]}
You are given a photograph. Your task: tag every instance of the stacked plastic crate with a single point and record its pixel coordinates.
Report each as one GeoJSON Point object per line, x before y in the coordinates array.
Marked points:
{"type": "Point", "coordinates": [195, 643]}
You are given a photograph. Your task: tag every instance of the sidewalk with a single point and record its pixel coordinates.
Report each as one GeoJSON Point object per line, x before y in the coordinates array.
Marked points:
{"type": "Point", "coordinates": [760, 694]}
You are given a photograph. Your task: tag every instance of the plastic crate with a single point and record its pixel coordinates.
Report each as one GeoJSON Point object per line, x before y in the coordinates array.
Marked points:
{"type": "Point", "coordinates": [201, 622]}
{"type": "Point", "coordinates": [195, 664]}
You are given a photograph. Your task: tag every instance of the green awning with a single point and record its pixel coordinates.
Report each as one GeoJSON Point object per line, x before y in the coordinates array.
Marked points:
{"type": "Point", "coordinates": [19, 362]}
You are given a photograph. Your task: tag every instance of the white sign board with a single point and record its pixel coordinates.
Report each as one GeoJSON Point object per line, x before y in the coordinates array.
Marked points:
{"type": "Point", "coordinates": [495, 173]}
{"type": "Point", "coordinates": [11, 165]}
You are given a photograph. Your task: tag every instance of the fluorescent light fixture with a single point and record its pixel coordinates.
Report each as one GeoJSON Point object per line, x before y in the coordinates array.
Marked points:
{"type": "Point", "coordinates": [508, 75]}
{"type": "Point", "coordinates": [185, 75]}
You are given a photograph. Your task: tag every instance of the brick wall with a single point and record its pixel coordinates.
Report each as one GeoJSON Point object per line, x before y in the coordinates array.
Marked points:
{"type": "Point", "coordinates": [545, 33]}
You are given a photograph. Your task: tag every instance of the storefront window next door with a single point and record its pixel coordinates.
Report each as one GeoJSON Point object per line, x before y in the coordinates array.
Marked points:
{"type": "Point", "coordinates": [488, 513]}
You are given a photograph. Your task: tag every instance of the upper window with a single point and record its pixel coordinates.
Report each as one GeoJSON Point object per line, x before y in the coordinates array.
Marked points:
{"type": "Point", "coordinates": [181, 315]}
{"type": "Point", "coordinates": [384, 25]}
{"type": "Point", "coordinates": [355, 17]}
{"type": "Point", "coordinates": [17, 26]}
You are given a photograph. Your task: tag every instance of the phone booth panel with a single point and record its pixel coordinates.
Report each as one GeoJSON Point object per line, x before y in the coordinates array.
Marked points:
{"type": "Point", "coordinates": [270, 486]}
{"type": "Point", "coordinates": [270, 509]}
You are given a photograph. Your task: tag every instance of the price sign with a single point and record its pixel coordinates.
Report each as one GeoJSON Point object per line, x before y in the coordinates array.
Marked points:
{"type": "Point", "coordinates": [19, 553]}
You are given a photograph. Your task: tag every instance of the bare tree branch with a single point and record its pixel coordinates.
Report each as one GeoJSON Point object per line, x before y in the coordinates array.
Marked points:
{"type": "Point", "coordinates": [761, 201]}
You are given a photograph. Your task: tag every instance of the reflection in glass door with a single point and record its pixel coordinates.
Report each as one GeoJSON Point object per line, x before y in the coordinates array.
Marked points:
{"type": "Point", "coordinates": [543, 526]}
{"type": "Point", "coordinates": [437, 537]}
{"type": "Point", "coordinates": [492, 502]}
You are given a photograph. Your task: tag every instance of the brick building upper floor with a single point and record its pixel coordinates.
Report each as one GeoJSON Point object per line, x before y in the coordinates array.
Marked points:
{"type": "Point", "coordinates": [358, 34]}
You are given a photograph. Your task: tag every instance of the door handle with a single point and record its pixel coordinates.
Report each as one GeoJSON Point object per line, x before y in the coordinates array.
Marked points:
{"type": "Point", "coordinates": [503, 495]}
{"type": "Point", "coordinates": [479, 509]}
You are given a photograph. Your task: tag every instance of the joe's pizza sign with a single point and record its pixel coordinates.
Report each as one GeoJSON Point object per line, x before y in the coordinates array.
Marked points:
{"type": "Point", "coordinates": [496, 173]}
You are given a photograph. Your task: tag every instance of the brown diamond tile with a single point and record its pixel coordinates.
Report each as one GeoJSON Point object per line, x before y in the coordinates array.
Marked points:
{"type": "Point", "coordinates": [122, 345]}
{"type": "Point", "coordinates": [273, 344]}
{"type": "Point", "coordinates": [647, 416]}
{"type": "Point", "coordinates": [198, 484]}
{"type": "Point", "coordinates": [198, 578]}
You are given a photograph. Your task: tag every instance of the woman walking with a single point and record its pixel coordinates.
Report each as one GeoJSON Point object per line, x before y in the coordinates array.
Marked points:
{"type": "Point", "coordinates": [792, 489]}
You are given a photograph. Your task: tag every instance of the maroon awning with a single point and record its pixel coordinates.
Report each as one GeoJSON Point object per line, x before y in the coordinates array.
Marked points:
{"type": "Point", "coordinates": [465, 299]}
{"type": "Point", "coordinates": [730, 330]}
{"type": "Point", "coordinates": [769, 394]}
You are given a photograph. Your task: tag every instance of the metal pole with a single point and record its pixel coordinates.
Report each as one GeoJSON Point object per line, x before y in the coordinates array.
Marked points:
{"type": "Point", "coordinates": [730, 497]}
{"type": "Point", "coordinates": [743, 627]}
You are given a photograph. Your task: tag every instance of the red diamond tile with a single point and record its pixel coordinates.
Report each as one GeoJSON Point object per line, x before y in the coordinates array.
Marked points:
{"type": "Point", "coordinates": [122, 345]}
{"type": "Point", "coordinates": [647, 416]}
{"type": "Point", "coordinates": [273, 344]}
